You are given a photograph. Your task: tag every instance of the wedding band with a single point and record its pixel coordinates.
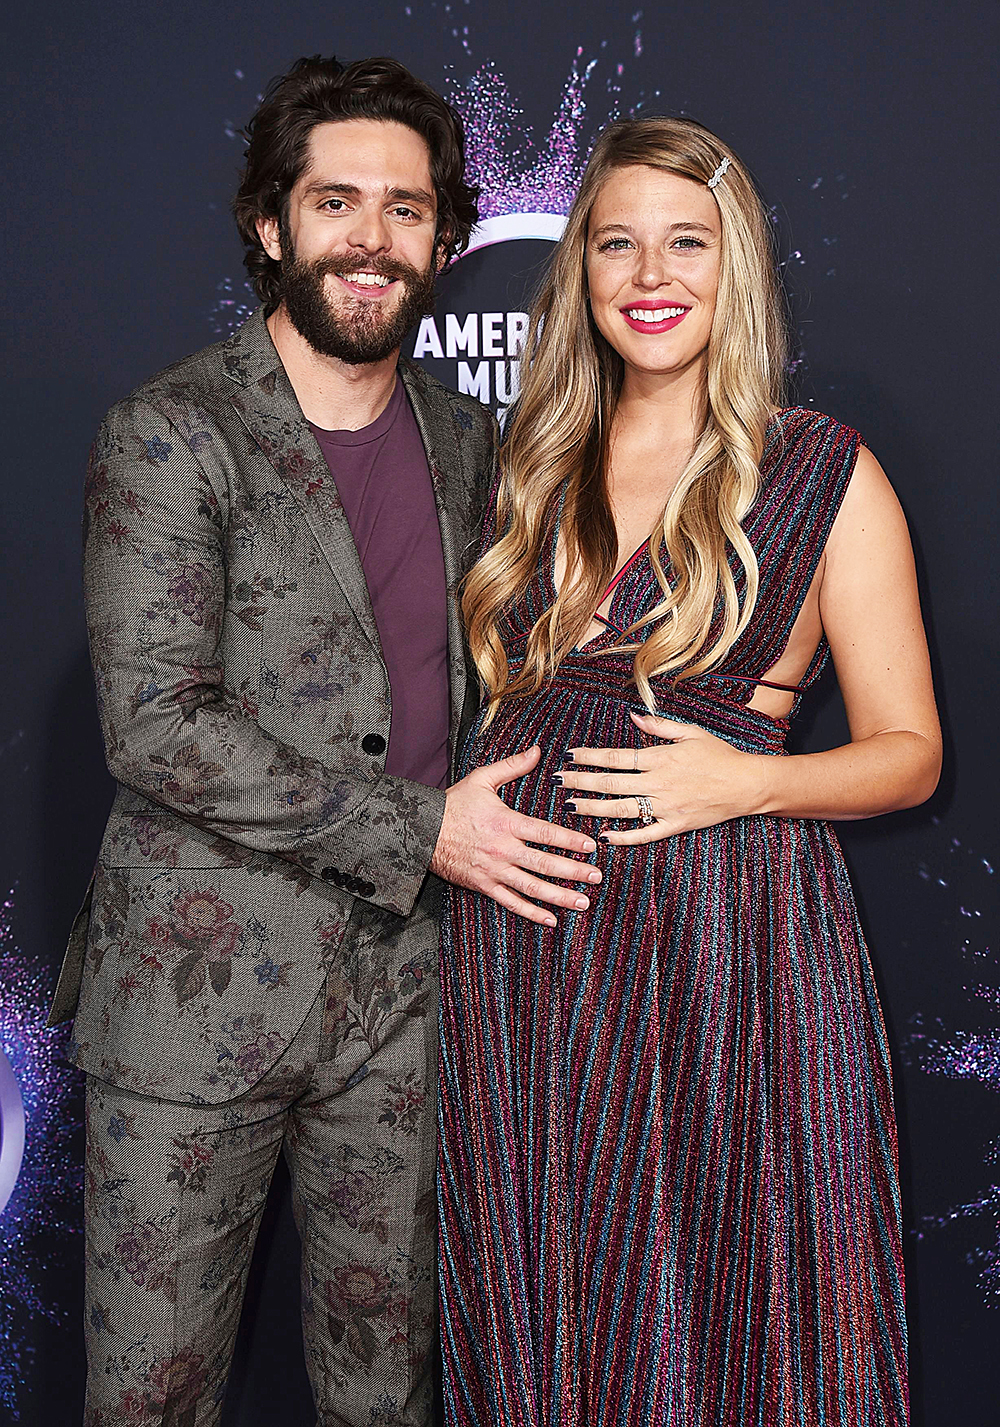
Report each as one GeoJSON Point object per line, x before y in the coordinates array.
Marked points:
{"type": "Point", "coordinates": [635, 764]}
{"type": "Point", "coordinates": [645, 809]}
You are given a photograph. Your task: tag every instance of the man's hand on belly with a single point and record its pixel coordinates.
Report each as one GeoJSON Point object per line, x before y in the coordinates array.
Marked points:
{"type": "Point", "coordinates": [483, 845]}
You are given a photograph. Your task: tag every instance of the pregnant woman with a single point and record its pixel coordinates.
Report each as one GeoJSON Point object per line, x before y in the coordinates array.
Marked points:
{"type": "Point", "coordinates": [668, 1163]}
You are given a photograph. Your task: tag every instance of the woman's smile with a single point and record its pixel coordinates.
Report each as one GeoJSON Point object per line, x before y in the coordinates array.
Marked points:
{"type": "Point", "coordinates": [653, 317]}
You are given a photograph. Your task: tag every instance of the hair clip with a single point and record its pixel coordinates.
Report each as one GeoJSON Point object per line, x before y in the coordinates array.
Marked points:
{"type": "Point", "coordinates": [719, 173]}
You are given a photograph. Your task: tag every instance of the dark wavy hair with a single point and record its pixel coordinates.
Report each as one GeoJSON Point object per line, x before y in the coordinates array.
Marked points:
{"type": "Point", "coordinates": [316, 91]}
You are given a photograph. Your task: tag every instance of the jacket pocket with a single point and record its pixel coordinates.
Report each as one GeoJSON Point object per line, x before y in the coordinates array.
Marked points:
{"type": "Point", "coordinates": [157, 839]}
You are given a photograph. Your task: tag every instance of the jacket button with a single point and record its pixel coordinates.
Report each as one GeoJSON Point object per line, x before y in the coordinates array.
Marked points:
{"type": "Point", "coordinates": [328, 874]}
{"type": "Point", "coordinates": [373, 743]}
{"type": "Point", "coordinates": [367, 889]}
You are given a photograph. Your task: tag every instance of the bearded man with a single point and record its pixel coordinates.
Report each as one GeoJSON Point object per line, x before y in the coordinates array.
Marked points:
{"type": "Point", "coordinates": [273, 529]}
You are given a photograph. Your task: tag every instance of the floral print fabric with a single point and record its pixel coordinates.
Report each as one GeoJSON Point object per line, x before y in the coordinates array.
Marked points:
{"type": "Point", "coordinates": [174, 1197]}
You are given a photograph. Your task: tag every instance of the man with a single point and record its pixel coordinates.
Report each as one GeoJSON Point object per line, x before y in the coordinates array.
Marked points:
{"type": "Point", "coordinates": [272, 526]}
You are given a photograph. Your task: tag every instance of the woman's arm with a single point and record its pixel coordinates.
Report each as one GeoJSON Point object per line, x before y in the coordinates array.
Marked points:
{"type": "Point", "coordinates": [871, 616]}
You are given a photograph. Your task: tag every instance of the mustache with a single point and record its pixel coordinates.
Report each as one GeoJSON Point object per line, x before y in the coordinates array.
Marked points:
{"type": "Point", "coordinates": [340, 264]}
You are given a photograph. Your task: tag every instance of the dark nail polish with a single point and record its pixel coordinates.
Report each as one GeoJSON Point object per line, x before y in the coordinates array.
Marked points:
{"type": "Point", "coordinates": [558, 779]}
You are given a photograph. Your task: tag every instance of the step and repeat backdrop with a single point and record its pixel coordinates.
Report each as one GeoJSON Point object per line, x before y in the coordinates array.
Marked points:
{"type": "Point", "coordinates": [869, 130]}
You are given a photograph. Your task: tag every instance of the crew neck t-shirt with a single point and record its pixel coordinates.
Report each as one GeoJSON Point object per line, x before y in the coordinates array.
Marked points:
{"type": "Point", "coordinates": [385, 488]}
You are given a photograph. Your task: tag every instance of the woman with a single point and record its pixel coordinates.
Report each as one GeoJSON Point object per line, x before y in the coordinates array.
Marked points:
{"type": "Point", "coordinates": [668, 1168]}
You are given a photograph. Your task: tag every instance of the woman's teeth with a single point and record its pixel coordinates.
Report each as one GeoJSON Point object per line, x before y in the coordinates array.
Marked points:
{"type": "Point", "coordinates": [646, 314]}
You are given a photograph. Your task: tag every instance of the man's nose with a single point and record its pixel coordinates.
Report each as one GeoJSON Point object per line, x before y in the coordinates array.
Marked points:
{"type": "Point", "coordinates": [369, 231]}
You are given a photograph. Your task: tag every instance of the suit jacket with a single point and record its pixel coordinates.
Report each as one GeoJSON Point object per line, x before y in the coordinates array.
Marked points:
{"type": "Point", "coordinates": [245, 708]}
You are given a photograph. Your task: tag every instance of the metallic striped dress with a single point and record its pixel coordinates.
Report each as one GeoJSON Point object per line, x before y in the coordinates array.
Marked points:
{"type": "Point", "coordinates": [668, 1187]}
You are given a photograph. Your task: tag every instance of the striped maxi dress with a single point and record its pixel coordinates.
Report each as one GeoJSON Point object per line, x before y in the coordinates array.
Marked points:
{"type": "Point", "coordinates": [668, 1185]}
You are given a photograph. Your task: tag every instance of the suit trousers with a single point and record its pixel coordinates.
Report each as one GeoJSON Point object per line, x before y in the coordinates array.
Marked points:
{"type": "Point", "coordinates": [174, 1195]}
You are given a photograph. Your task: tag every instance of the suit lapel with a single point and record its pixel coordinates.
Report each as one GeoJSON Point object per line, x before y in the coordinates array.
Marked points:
{"type": "Point", "coordinates": [267, 406]}
{"type": "Point", "coordinates": [454, 502]}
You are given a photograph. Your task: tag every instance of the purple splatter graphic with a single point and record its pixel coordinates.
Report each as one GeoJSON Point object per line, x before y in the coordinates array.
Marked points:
{"type": "Point", "coordinates": [44, 1201]}
{"type": "Point", "coordinates": [516, 174]}
{"type": "Point", "coordinates": [968, 1055]}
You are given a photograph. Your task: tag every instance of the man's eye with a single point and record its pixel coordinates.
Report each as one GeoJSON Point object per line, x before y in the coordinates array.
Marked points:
{"type": "Point", "coordinates": [331, 201]}
{"type": "Point", "coordinates": [405, 213]}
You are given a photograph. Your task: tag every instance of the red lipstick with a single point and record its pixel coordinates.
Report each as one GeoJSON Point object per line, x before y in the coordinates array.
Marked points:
{"type": "Point", "coordinates": [677, 310]}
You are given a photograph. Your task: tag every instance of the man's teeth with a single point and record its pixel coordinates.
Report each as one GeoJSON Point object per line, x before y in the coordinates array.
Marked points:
{"type": "Point", "coordinates": [646, 314]}
{"type": "Point", "coordinates": [368, 279]}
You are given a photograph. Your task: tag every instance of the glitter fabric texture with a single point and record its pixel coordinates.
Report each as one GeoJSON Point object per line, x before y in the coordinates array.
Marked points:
{"type": "Point", "coordinates": [44, 1203]}
{"type": "Point", "coordinates": [668, 1188]}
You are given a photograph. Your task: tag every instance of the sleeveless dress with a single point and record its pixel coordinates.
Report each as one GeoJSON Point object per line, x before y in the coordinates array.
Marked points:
{"type": "Point", "coordinates": [668, 1184]}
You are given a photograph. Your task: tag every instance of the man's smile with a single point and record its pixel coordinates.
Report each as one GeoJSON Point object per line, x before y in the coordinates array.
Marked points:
{"type": "Point", "coordinates": [364, 283]}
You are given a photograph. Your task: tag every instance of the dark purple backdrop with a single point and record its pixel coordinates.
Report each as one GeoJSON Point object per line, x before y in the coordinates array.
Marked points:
{"type": "Point", "coordinates": [874, 136]}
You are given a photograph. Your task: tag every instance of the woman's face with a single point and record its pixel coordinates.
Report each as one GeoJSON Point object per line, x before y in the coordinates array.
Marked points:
{"type": "Point", "coordinates": [652, 264]}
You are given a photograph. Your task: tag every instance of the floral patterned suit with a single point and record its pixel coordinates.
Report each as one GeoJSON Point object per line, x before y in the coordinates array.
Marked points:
{"type": "Point", "coordinates": [255, 966]}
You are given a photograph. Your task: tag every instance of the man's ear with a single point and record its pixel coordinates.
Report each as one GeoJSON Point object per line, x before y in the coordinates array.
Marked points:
{"type": "Point", "coordinates": [267, 232]}
{"type": "Point", "coordinates": [441, 250]}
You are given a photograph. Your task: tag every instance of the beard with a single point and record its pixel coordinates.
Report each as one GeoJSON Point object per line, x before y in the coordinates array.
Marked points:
{"type": "Point", "coordinates": [354, 330]}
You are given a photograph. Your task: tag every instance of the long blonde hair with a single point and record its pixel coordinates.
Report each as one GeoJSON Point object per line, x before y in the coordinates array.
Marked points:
{"type": "Point", "coordinates": [556, 448]}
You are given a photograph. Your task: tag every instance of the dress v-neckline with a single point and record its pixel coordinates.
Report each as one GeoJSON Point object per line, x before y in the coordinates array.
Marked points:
{"type": "Point", "coordinates": [613, 588]}
{"type": "Point", "coordinates": [617, 582]}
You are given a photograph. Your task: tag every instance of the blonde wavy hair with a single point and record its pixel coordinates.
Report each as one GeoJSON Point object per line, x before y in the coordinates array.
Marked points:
{"type": "Point", "coordinates": [555, 452]}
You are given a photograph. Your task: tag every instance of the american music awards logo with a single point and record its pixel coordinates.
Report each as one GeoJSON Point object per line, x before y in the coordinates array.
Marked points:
{"type": "Point", "coordinates": [475, 338]}
{"type": "Point", "coordinates": [474, 341]}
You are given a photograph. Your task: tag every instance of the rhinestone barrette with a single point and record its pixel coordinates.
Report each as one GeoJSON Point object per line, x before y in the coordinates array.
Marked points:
{"type": "Point", "coordinates": [719, 173]}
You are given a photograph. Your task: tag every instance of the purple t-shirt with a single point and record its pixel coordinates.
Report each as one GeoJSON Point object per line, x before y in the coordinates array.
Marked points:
{"type": "Point", "coordinates": [385, 487]}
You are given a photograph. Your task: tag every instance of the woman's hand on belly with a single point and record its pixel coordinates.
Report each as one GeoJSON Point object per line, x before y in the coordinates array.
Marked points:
{"type": "Point", "coordinates": [691, 779]}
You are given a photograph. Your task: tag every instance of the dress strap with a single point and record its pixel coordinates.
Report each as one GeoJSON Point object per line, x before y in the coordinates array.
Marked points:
{"type": "Point", "coordinates": [620, 576]}
{"type": "Point", "coordinates": [609, 624]}
{"type": "Point", "coordinates": [768, 683]}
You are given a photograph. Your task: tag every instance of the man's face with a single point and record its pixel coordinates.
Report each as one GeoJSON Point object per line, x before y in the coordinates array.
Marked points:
{"type": "Point", "coordinates": [357, 250]}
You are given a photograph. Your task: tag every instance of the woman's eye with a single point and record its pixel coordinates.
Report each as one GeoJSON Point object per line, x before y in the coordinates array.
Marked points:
{"type": "Point", "coordinates": [613, 244]}
{"type": "Point", "coordinates": [689, 242]}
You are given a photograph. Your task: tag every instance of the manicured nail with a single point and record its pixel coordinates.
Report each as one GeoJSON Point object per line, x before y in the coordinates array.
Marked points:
{"type": "Point", "coordinates": [604, 837]}
{"type": "Point", "coordinates": [590, 845]}
{"type": "Point", "coordinates": [558, 779]}
{"type": "Point", "coordinates": [570, 803]}
{"type": "Point", "coordinates": [581, 904]}
{"type": "Point", "coordinates": [596, 876]}
{"type": "Point", "coordinates": [550, 921]}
